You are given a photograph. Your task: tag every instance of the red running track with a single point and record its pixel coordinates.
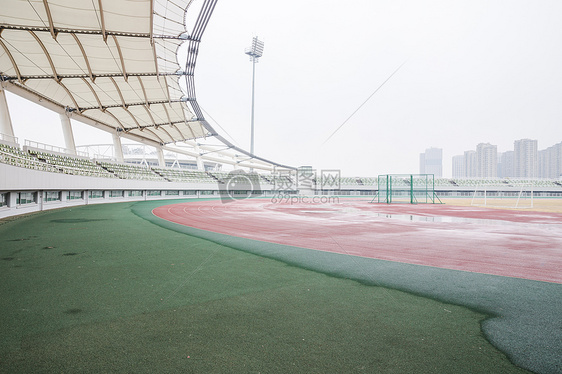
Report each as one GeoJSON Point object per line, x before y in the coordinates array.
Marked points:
{"type": "Point", "coordinates": [510, 243]}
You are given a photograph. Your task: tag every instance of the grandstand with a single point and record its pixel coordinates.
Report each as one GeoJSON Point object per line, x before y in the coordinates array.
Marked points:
{"type": "Point", "coordinates": [31, 166]}
{"type": "Point", "coordinates": [171, 277]}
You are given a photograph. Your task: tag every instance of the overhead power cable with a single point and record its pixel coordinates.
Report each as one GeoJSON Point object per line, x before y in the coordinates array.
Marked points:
{"type": "Point", "coordinates": [365, 102]}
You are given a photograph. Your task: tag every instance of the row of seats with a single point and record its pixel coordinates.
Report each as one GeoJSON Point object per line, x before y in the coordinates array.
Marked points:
{"type": "Point", "coordinates": [72, 165]}
{"type": "Point", "coordinates": [223, 177]}
{"type": "Point", "coordinates": [126, 171]}
{"type": "Point", "coordinates": [361, 181]}
{"type": "Point", "coordinates": [506, 182]}
{"type": "Point", "coordinates": [14, 156]}
{"type": "Point", "coordinates": [184, 175]}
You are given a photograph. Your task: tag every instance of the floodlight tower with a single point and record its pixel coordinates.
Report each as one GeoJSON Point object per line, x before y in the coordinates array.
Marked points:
{"type": "Point", "coordinates": [255, 52]}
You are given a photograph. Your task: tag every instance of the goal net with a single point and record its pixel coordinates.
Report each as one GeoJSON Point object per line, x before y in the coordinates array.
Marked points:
{"type": "Point", "coordinates": [504, 195]}
{"type": "Point", "coordinates": [406, 189]}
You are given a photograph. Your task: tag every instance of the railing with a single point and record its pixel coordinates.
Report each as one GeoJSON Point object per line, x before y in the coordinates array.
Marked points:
{"type": "Point", "coordinates": [9, 138]}
{"type": "Point", "coordinates": [94, 151]}
{"type": "Point", "coordinates": [53, 148]}
{"type": "Point", "coordinates": [103, 158]}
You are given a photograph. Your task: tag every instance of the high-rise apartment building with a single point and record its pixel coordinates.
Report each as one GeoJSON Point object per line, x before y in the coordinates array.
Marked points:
{"type": "Point", "coordinates": [487, 160]}
{"type": "Point", "coordinates": [458, 167]}
{"type": "Point", "coordinates": [431, 162]}
{"type": "Point", "coordinates": [470, 164]}
{"type": "Point", "coordinates": [505, 164]}
{"type": "Point", "coordinates": [550, 162]}
{"type": "Point", "coordinates": [525, 159]}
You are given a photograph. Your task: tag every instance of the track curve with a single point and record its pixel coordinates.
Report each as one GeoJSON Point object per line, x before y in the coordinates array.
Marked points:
{"type": "Point", "coordinates": [520, 244]}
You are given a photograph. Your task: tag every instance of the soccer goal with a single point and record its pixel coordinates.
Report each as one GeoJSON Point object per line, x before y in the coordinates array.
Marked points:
{"type": "Point", "coordinates": [504, 195]}
{"type": "Point", "coordinates": [406, 189]}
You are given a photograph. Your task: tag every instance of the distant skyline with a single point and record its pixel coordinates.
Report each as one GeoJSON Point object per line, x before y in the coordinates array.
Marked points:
{"type": "Point", "coordinates": [524, 160]}
{"type": "Point", "coordinates": [475, 71]}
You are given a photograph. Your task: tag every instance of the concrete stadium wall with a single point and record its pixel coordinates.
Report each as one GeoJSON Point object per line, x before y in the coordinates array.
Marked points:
{"type": "Point", "coordinates": [35, 187]}
{"type": "Point", "coordinates": [15, 181]}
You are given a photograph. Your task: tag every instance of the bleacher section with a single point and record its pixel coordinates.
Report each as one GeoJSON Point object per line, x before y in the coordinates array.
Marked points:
{"type": "Point", "coordinates": [358, 181]}
{"type": "Point", "coordinates": [126, 171]}
{"type": "Point", "coordinates": [184, 175]}
{"type": "Point", "coordinates": [14, 156]}
{"type": "Point", "coordinates": [507, 182]}
{"type": "Point", "coordinates": [58, 163]}
{"type": "Point", "coordinates": [222, 177]}
{"type": "Point", "coordinates": [72, 165]}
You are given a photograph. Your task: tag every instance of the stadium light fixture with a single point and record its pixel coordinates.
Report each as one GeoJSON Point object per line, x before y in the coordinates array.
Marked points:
{"type": "Point", "coordinates": [255, 52]}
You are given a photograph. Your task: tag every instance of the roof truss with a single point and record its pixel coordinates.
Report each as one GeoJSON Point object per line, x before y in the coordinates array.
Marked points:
{"type": "Point", "coordinates": [88, 69]}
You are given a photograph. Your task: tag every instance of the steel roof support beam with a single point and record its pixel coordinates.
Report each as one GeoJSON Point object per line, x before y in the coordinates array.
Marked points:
{"type": "Point", "coordinates": [69, 94]}
{"type": "Point", "coordinates": [115, 118]}
{"type": "Point", "coordinates": [155, 61]}
{"type": "Point", "coordinates": [149, 103]}
{"type": "Point", "coordinates": [170, 121]}
{"type": "Point", "coordinates": [100, 106]}
{"type": "Point", "coordinates": [91, 76]}
{"type": "Point", "coordinates": [55, 76]}
{"type": "Point", "coordinates": [94, 32]}
{"type": "Point", "coordinates": [123, 104]}
{"type": "Point", "coordinates": [121, 58]}
{"type": "Point", "coordinates": [143, 91]}
{"type": "Point", "coordinates": [5, 48]}
{"type": "Point", "coordinates": [85, 57]}
{"type": "Point", "coordinates": [217, 159]}
{"type": "Point", "coordinates": [151, 21]}
{"type": "Point", "coordinates": [50, 19]}
{"type": "Point", "coordinates": [167, 133]}
{"type": "Point", "coordinates": [102, 20]}
{"type": "Point", "coordinates": [133, 118]}
{"type": "Point", "coordinates": [161, 142]}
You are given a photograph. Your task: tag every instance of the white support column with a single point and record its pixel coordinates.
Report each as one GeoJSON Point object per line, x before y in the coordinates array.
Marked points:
{"type": "Point", "coordinates": [40, 195]}
{"type": "Point", "coordinates": [200, 165]}
{"type": "Point", "coordinates": [161, 161]}
{"type": "Point", "coordinates": [67, 133]}
{"type": "Point", "coordinates": [117, 147]}
{"type": "Point", "coordinates": [12, 199]}
{"type": "Point", "coordinates": [5, 120]}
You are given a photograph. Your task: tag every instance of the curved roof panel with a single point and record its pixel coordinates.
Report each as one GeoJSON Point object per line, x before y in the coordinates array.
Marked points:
{"type": "Point", "coordinates": [113, 62]}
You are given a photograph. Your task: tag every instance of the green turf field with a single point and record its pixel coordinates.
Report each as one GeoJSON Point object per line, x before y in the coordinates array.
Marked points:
{"type": "Point", "coordinates": [101, 288]}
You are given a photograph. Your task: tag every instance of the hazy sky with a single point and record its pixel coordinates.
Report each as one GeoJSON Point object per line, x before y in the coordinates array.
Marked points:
{"type": "Point", "coordinates": [475, 71]}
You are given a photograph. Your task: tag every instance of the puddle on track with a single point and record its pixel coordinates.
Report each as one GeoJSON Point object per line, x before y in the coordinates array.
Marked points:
{"type": "Point", "coordinates": [437, 219]}
{"type": "Point", "coordinates": [451, 219]}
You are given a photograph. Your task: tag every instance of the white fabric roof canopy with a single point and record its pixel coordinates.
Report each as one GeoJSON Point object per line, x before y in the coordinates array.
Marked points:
{"type": "Point", "coordinates": [113, 62]}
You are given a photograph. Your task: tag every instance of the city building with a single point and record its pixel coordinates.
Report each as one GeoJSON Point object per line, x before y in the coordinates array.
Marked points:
{"type": "Point", "coordinates": [487, 160]}
{"type": "Point", "coordinates": [550, 162]}
{"type": "Point", "coordinates": [525, 159]}
{"type": "Point", "coordinates": [431, 162]}
{"type": "Point", "coordinates": [470, 164]}
{"type": "Point", "coordinates": [458, 167]}
{"type": "Point", "coordinates": [505, 164]}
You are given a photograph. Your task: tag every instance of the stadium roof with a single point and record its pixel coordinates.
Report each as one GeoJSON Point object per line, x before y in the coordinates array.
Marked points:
{"type": "Point", "coordinates": [113, 62]}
